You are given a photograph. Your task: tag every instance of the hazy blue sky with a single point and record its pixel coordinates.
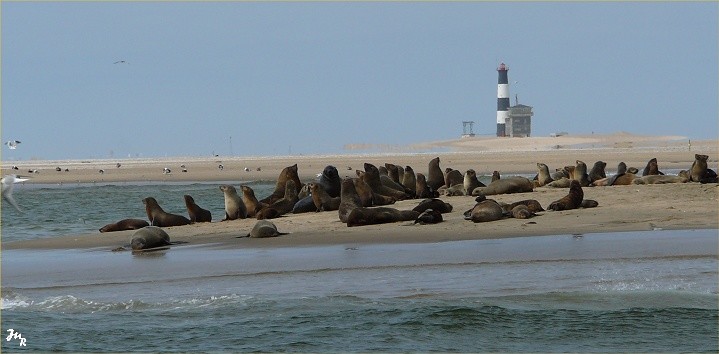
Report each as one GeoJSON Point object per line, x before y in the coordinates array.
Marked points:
{"type": "Point", "coordinates": [307, 78]}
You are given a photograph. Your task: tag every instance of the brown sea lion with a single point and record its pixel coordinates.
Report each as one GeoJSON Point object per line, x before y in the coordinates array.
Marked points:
{"type": "Point", "coordinates": [409, 181]}
{"type": "Point", "coordinates": [364, 191]}
{"type": "Point", "coordinates": [149, 237]}
{"type": "Point", "coordinates": [159, 217]}
{"type": "Point", "coordinates": [454, 191]}
{"type": "Point", "coordinates": [521, 211]}
{"type": "Point", "coordinates": [543, 177]}
{"type": "Point", "coordinates": [196, 213]}
{"type": "Point", "coordinates": [349, 199]}
{"type": "Point", "coordinates": [495, 176]}
{"type": "Point", "coordinates": [515, 184]}
{"type": "Point", "coordinates": [378, 215]}
{"type": "Point", "coordinates": [652, 168]}
{"type": "Point", "coordinates": [434, 204]}
{"type": "Point", "coordinates": [486, 210]}
{"type": "Point", "coordinates": [267, 213]}
{"type": "Point", "coordinates": [388, 182]}
{"type": "Point", "coordinates": [264, 228]}
{"type": "Point", "coordinates": [322, 200]}
{"type": "Point", "coordinates": [429, 216]}
{"type": "Point", "coordinates": [531, 204]}
{"type": "Point", "coordinates": [435, 177]}
{"type": "Point", "coordinates": [453, 177]}
{"type": "Point", "coordinates": [422, 189]}
{"type": "Point", "coordinates": [287, 203]}
{"type": "Point", "coordinates": [580, 174]}
{"type": "Point", "coordinates": [699, 168]}
{"type": "Point", "coordinates": [659, 179]}
{"type": "Point", "coordinates": [571, 201]}
{"type": "Point", "coordinates": [252, 205]}
{"type": "Point", "coordinates": [597, 172]}
{"type": "Point", "coordinates": [471, 182]}
{"type": "Point", "coordinates": [372, 178]}
{"type": "Point", "coordinates": [234, 206]}
{"type": "Point", "coordinates": [125, 224]}
{"type": "Point", "coordinates": [288, 173]}
{"type": "Point", "coordinates": [392, 172]}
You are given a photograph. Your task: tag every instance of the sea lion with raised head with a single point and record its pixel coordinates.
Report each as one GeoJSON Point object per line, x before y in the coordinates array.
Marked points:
{"type": "Point", "coordinates": [571, 201]}
{"type": "Point", "coordinates": [287, 173]}
{"type": "Point", "coordinates": [699, 168]}
{"type": "Point", "coordinates": [125, 224]}
{"type": "Point", "coordinates": [392, 172]}
{"type": "Point", "coordinates": [470, 182]}
{"type": "Point", "coordinates": [378, 215]}
{"type": "Point", "coordinates": [287, 203]}
{"type": "Point", "coordinates": [495, 176]}
{"type": "Point", "coordinates": [252, 205]}
{"type": "Point", "coordinates": [149, 237]}
{"type": "Point", "coordinates": [330, 181]}
{"type": "Point", "coordinates": [580, 174]}
{"type": "Point", "coordinates": [264, 228]}
{"type": "Point", "coordinates": [372, 178]}
{"type": "Point", "coordinates": [234, 206]}
{"type": "Point", "coordinates": [159, 217]}
{"type": "Point", "coordinates": [322, 200]}
{"type": "Point", "coordinates": [423, 190]}
{"type": "Point", "coordinates": [409, 181]}
{"type": "Point", "coordinates": [515, 184]}
{"type": "Point", "coordinates": [543, 176]}
{"type": "Point", "coordinates": [367, 196]}
{"type": "Point", "coordinates": [195, 212]}
{"type": "Point", "coordinates": [435, 177]}
{"type": "Point", "coordinates": [652, 168]}
{"type": "Point", "coordinates": [349, 199]}
{"type": "Point", "coordinates": [486, 210]}
{"type": "Point", "coordinates": [597, 172]}
{"type": "Point", "coordinates": [453, 177]}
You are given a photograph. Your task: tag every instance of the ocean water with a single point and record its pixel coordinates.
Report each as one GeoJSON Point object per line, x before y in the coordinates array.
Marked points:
{"type": "Point", "coordinates": [625, 292]}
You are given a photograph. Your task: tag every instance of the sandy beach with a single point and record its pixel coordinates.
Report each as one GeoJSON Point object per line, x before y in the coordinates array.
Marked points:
{"type": "Point", "coordinates": [621, 208]}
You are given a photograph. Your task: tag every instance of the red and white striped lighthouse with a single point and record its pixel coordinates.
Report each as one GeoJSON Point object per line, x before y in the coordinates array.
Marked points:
{"type": "Point", "coordinates": [502, 99]}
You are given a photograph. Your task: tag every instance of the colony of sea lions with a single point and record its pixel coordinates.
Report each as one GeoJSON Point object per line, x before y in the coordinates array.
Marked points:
{"type": "Point", "coordinates": [363, 199]}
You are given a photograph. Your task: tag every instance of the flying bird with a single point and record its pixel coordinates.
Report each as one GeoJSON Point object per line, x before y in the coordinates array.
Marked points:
{"type": "Point", "coordinates": [7, 186]}
{"type": "Point", "coordinates": [121, 62]}
{"type": "Point", "coordinates": [12, 144]}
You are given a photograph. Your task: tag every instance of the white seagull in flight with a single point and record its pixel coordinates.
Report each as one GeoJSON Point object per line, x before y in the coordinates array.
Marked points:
{"type": "Point", "coordinates": [7, 187]}
{"type": "Point", "coordinates": [12, 144]}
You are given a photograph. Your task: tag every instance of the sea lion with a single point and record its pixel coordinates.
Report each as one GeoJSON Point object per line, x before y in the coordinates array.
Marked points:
{"type": "Point", "coordinates": [571, 201]}
{"type": "Point", "coordinates": [495, 176]}
{"type": "Point", "coordinates": [589, 203]}
{"type": "Point", "coordinates": [196, 213]}
{"type": "Point", "coordinates": [659, 179]}
{"type": "Point", "coordinates": [330, 181]}
{"type": "Point", "coordinates": [699, 168]}
{"type": "Point", "coordinates": [486, 210]}
{"type": "Point", "coordinates": [409, 181]}
{"type": "Point", "coordinates": [521, 211]}
{"type": "Point", "coordinates": [349, 199]}
{"type": "Point", "coordinates": [372, 178]}
{"type": "Point", "coordinates": [429, 216]}
{"type": "Point", "coordinates": [434, 204]}
{"type": "Point", "coordinates": [435, 177]}
{"type": "Point", "coordinates": [378, 215]}
{"type": "Point", "coordinates": [559, 174]}
{"type": "Point", "coordinates": [264, 228]}
{"type": "Point", "coordinates": [543, 177]}
{"type": "Point", "coordinates": [515, 184]}
{"type": "Point", "coordinates": [388, 182]}
{"type": "Point", "coordinates": [560, 183]}
{"type": "Point", "coordinates": [454, 191]}
{"type": "Point", "coordinates": [621, 168]}
{"type": "Point", "coordinates": [531, 204]}
{"type": "Point", "coordinates": [652, 168]}
{"type": "Point", "coordinates": [453, 178]}
{"type": "Point", "coordinates": [287, 173]}
{"type": "Point", "coordinates": [125, 224]}
{"type": "Point", "coordinates": [580, 173]}
{"type": "Point", "coordinates": [364, 191]}
{"type": "Point", "coordinates": [267, 213]}
{"type": "Point", "coordinates": [597, 172]}
{"type": "Point", "coordinates": [287, 203]}
{"type": "Point", "coordinates": [422, 189]}
{"type": "Point", "coordinates": [322, 200]}
{"type": "Point", "coordinates": [252, 205]}
{"type": "Point", "coordinates": [234, 206]}
{"type": "Point", "coordinates": [304, 192]}
{"type": "Point", "coordinates": [470, 182]}
{"type": "Point", "coordinates": [392, 172]}
{"type": "Point", "coordinates": [149, 237]}
{"type": "Point", "coordinates": [305, 204]}
{"type": "Point", "coordinates": [159, 217]}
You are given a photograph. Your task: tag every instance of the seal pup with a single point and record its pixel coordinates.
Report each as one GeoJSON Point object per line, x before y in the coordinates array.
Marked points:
{"type": "Point", "coordinates": [196, 213]}
{"type": "Point", "coordinates": [287, 173]}
{"type": "Point", "coordinates": [434, 204]}
{"type": "Point", "coordinates": [322, 200]}
{"type": "Point", "coordinates": [149, 237]}
{"type": "Point", "coordinates": [515, 184]}
{"type": "Point", "coordinates": [429, 216]}
{"type": "Point", "coordinates": [597, 172]}
{"type": "Point", "coordinates": [521, 211]}
{"type": "Point", "coordinates": [409, 181]}
{"type": "Point", "coordinates": [378, 215]}
{"type": "Point", "coordinates": [652, 168]}
{"type": "Point", "coordinates": [234, 206]}
{"type": "Point", "coordinates": [125, 224]}
{"type": "Point", "coordinates": [486, 210]}
{"type": "Point", "coordinates": [349, 199]}
{"type": "Point", "coordinates": [571, 201]}
{"type": "Point", "coordinates": [435, 177]}
{"type": "Point", "coordinates": [159, 217]}
{"type": "Point", "coordinates": [264, 228]}
{"type": "Point", "coordinates": [8, 184]}
{"type": "Point", "coordinates": [252, 205]}
{"type": "Point", "coordinates": [543, 176]}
